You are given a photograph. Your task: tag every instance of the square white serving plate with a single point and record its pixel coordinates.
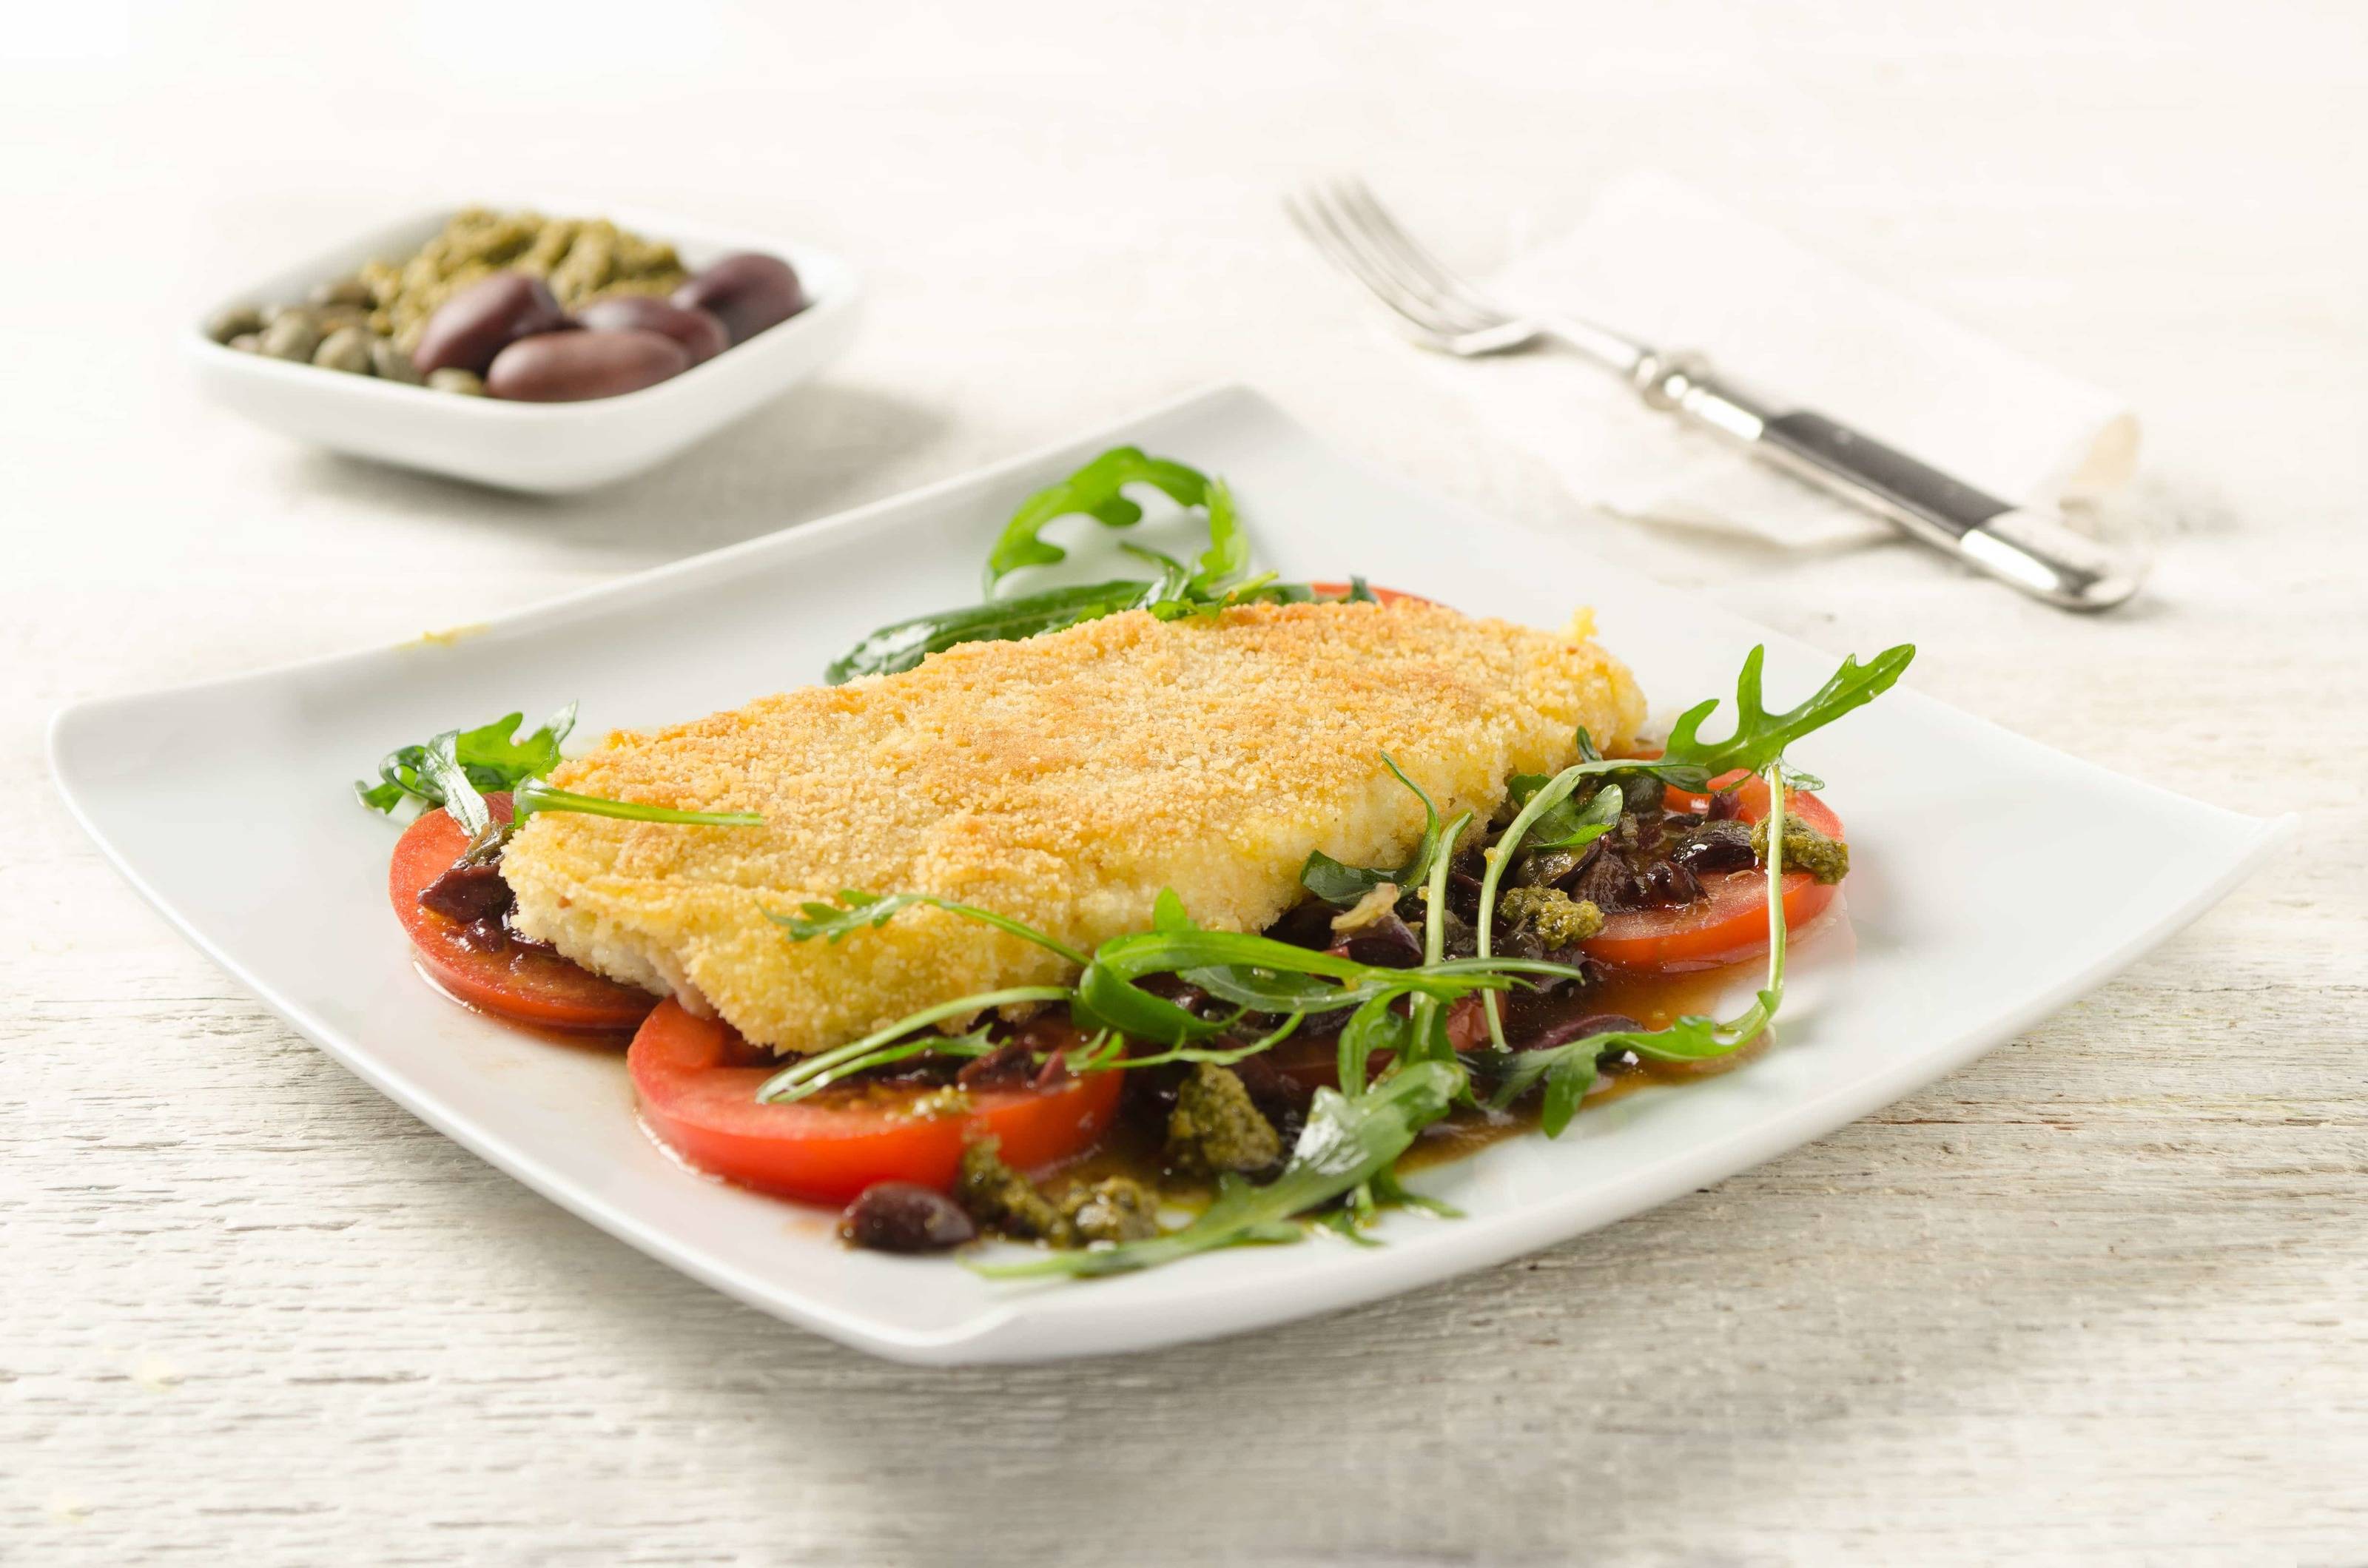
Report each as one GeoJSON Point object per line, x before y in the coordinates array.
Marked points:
{"type": "Point", "coordinates": [227, 804]}
{"type": "Point", "coordinates": [552, 447]}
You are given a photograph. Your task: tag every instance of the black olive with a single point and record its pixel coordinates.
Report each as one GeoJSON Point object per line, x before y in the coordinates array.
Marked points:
{"type": "Point", "coordinates": [1720, 846]}
{"type": "Point", "coordinates": [903, 1215]}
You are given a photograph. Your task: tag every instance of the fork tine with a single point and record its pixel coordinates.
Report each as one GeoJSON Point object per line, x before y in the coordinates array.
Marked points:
{"type": "Point", "coordinates": [1314, 216]}
{"type": "Point", "coordinates": [1423, 270]}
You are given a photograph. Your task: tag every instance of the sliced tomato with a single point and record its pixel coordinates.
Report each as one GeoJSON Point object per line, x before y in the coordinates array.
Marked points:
{"type": "Point", "coordinates": [529, 984]}
{"type": "Point", "coordinates": [698, 1080]}
{"type": "Point", "coordinates": [1730, 923]}
{"type": "Point", "coordinates": [1386, 596]}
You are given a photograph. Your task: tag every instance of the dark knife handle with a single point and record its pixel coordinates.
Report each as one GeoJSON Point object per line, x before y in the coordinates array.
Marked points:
{"type": "Point", "coordinates": [2026, 546]}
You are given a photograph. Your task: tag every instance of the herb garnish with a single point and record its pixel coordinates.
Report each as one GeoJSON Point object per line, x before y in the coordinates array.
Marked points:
{"type": "Point", "coordinates": [1335, 883]}
{"type": "Point", "coordinates": [491, 755]}
{"type": "Point", "coordinates": [1211, 581]}
{"type": "Point", "coordinates": [1255, 974]}
{"type": "Point", "coordinates": [1569, 1071]}
{"type": "Point", "coordinates": [457, 769]}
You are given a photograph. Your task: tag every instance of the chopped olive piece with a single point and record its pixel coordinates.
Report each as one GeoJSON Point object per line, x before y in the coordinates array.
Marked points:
{"type": "Point", "coordinates": [1724, 845]}
{"type": "Point", "coordinates": [1805, 849]}
{"type": "Point", "coordinates": [994, 1194]}
{"type": "Point", "coordinates": [1553, 917]}
{"type": "Point", "coordinates": [901, 1216]}
{"type": "Point", "coordinates": [1216, 1126]}
{"type": "Point", "coordinates": [1111, 1209]}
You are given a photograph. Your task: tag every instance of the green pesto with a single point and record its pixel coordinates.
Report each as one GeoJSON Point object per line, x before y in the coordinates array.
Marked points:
{"type": "Point", "coordinates": [1216, 1127]}
{"type": "Point", "coordinates": [1805, 849]}
{"type": "Point", "coordinates": [1115, 1209]}
{"type": "Point", "coordinates": [996, 1195]}
{"type": "Point", "coordinates": [1556, 918]}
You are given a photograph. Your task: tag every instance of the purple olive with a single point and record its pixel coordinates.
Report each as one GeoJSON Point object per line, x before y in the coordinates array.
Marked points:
{"type": "Point", "coordinates": [900, 1216]}
{"type": "Point", "coordinates": [479, 321]}
{"type": "Point", "coordinates": [569, 367]}
{"type": "Point", "coordinates": [748, 292]}
{"type": "Point", "coordinates": [699, 333]}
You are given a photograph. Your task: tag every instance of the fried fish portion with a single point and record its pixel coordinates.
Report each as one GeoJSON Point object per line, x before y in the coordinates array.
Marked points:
{"type": "Point", "coordinates": [1063, 781]}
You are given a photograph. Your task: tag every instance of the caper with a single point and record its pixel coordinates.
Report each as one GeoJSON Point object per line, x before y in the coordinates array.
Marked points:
{"type": "Point", "coordinates": [273, 315]}
{"type": "Point", "coordinates": [391, 363]}
{"type": "Point", "coordinates": [238, 320]}
{"type": "Point", "coordinates": [291, 337]}
{"type": "Point", "coordinates": [248, 343]}
{"type": "Point", "coordinates": [468, 384]}
{"type": "Point", "coordinates": [350, 291]}
{"type": "Point", "coordinates": [348, 349]}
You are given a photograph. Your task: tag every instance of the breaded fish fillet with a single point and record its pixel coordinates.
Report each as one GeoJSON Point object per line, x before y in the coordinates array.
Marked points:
{"type": "Point", "coordinates": [1063, 781]}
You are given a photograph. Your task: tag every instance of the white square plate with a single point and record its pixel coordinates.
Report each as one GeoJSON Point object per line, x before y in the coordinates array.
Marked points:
{"type": "Point", "coordinates": [547, 446]}
{"type": "Point", "coordinates": [227, 805]}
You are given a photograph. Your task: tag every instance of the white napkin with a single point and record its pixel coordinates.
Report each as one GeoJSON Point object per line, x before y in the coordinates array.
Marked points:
{"type": "Point", "coordinates": [1661, 262]}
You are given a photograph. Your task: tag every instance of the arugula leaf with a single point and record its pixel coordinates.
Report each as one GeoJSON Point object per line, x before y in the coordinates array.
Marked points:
{"type": "Point", "coordinates": [856, 909]}
{"type": "Point", "coordinates": [1098, 491]}
{"type": "Point", "coordinates": [454, 770]}
{"type": "Point", "coordinates": [440, 764]}
{"type": "Point", "coordinates": [534, 795]}
{"type": "Point", "coordinates": [905, 644]}
{"type": "Point", "coordinates": [1760, 736]}
{"type": "Point", "coordinates": [1569, 1071]}
{"type": "Point", "coordinates": [1335, 883]}
{"type": "Point", "coordinates": [1562, 825]}
{"type": "Point", "coordinates": [812, 1074]}
{"type": "Point", "coordinates": [491, 756]}
{"type": "Point", "coordinates": [1348, 1141]}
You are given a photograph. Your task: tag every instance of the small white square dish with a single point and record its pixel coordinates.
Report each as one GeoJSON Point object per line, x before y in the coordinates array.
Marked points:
{"type": "Point", "coordinates": [550, 447]}
{"type": "Point", "coordinates": [228, 805]}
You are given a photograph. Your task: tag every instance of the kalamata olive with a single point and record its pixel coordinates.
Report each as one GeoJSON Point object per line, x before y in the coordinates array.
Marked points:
{"type": "Point", "coordinates": [391, 364]}
{"type": "Point", "coordinates": [1720, 846]}
{"type": "Point", "coordinates": [748, 292]}
{"type": "Point", "coordinates": [468, 384]}
{"type": "Point", "coordinates": [236, 322]}
{"type": "Point", "coordinates": [569, 367]}
{"type": "Point", "coordinates": [903, 1215]}
{"type": "Point", "coordinates": [481, 320]}
{"type": "Point", "coordinates": [701, 333]}
{"type": "Point", "coordinates": [348, 349]}
{"type": "Point", "coordinates": [291, 337]}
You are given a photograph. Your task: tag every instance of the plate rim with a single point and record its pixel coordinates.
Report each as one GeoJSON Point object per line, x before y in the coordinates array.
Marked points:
{"type": "Point", "coordinates": [980, 1337]}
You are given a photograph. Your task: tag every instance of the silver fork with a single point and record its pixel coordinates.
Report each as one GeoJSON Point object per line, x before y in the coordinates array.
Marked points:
{"type": "Point", "coordinates": [2026, 546]}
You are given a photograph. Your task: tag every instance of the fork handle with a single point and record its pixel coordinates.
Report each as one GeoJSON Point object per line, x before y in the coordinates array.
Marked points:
{"type": "Point", "coordinates": [2026, 546]}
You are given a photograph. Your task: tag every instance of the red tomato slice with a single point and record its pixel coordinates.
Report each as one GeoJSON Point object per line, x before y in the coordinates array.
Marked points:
{"type": "Point", "coordinates": [527, 984]}
{"type": "Point", "coordinates": [1387, 595]}
{"type": "Point", "coordinates": [1731, 924]}
{"type": "Point", "coordinates": [697, 1081]}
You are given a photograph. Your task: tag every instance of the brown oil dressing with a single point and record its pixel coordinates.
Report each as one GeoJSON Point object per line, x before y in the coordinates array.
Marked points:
{"type": "Point", "coordinates": [1656, 1001]}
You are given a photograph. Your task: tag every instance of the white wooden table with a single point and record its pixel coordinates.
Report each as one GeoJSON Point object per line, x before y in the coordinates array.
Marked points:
{"type": "Point", "coordinates": [2100, 1298]}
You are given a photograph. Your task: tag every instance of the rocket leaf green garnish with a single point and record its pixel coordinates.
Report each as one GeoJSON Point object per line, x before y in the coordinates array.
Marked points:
{"type": "Point", "coordinates": [1099, 489]}
{"type": "Point", "coordinates": [857, 910]}
{"type": "Point", "coordinates": [492, 757]}
{"type": "Point", "coordinates": [1209, 582]}
{"type": "Point", "coordinates": [1760, 736]}
{"type": "Point", "coordinates": [1335, 883]}
{"type": "Point", "coordinates": [1569, 1071]}
{"type": "Point", "coordinates": [534, 795]}
{"type": "Point", "coordinates": [457, 769]}
{"type": "Point", "coordinates": [1108, 1002]}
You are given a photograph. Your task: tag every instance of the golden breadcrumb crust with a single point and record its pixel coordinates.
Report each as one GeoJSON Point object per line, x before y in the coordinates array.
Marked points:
{"type": "Point", "coordinates": [1063, 781]}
